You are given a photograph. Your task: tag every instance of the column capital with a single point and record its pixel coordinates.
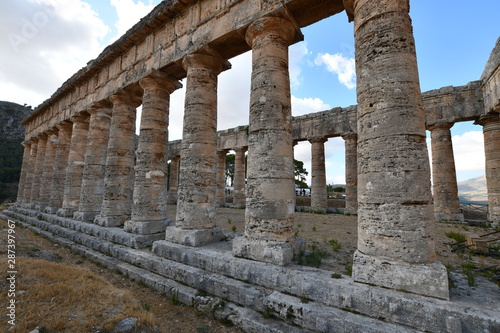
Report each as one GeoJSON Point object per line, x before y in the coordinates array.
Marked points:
{"type": "Point", "coordinates": [222, 151]}
{"type": "Point", "coordinates": [489, 121]}
{"type": "Point", "coordinates": [317, 139]}
{"type": "Point", "coordinates": [102, 104]}
{"type": "Point", "coordinates": [80, 118]}
{"type": "Point", "coordinates": [64, 125]}
{"type": "Point", "coordinates": [52, 131]}
{"type": "Point", "coordinates": [350, 136]}
{"type": "Point", "coordinates": [42, 135]}
{"type": "Point", "coordinates": [206, 58]}
{"type": "Point", "coordinates": [243, 148]}
{"type": "Point", "coordinates": [122, 97]}
{"type": "Point", "coordinates": [160, 80]}
{"type": "Point", "coordinates": [440, 126]}
{"type": "Point", "coordinates": [272, 26]}
{"type": "Point", "coordinates": [349, 9]}
{"type": "Point", "coordinates": [100, 111]}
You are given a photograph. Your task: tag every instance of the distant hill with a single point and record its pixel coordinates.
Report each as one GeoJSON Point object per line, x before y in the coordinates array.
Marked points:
{"type": "Point", "coordinates": [473, 190]}
{"type": "Point", "coordinates": [11, 151]}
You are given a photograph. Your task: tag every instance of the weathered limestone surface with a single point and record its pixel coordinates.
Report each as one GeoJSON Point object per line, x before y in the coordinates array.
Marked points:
{"type": "Point", "coordinates": [65, 129]}
{"type": "Point", "coordinates": [38, 169]}
{"type": "Point", "coordinates": [319, 198]}
{"type": "Point", "coordinates": [446, 202]}
{"type": "Point", "coordinates": [196, 195]}
{"type": "Point", "coordinates": [119, 176]}
{"type": "Point", "coordinates": [24, 171]}
{"type": "Point", "coordinates": [149, 210]}
{"type": "Point", "coordinates": [48, 169]}
{"type": "Point", "coordinates": [491, 81]}
{"type": "Point", "coordinates": [221, 177]}
{"type": "Point", "coordinates": [173, 179]}
{"type": "Point", "coordinates": [395, 215]}
{"type": "Point", "coordinates": [239, 196]}
{"type": "Point", "coordinates": [491, 132]}
{"type": "Point", "coordinates": [76, 162]}
{"type": "Point", "coordinates": [351, 173]}
{"type": "Point", "coordinates": [92, 188]}
{"type": "Point", "coordinates": [29, 176]}
{"type": "Point", "coordinates": [270, 203]}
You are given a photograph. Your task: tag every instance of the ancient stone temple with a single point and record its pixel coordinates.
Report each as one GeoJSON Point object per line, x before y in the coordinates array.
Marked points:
{"type": "Point", "coordinates": [87, 178]}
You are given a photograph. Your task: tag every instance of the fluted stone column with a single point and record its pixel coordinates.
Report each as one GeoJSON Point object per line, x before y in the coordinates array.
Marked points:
{"type": "Point", "coordinates": [92, 188]}
{"type": "Point", "coordinates": [351, 173]}
{"type": "Point", "coordinates": [31, 173]}
{"type": "Point", "coordinates": [396, 247]}
{"type": "Point", "coordinates": [149, 210]}
{"type": "Point", "coordinates": [76, 162]}
{"type": "Point", "coordinates": [48, 169]}
{"type": "Point", "coordinates": [445, 188]}
{"type": "Point", "coordinates": [24, 172]}
{"type": "Point", "coordinates": [491, 132]}
{"type": "Point", "coordinates": [60, 165]}
{"type": "Point", "coordinates": [239, 196]}
{"type": "Point", "coordinates": [119, 174]}
{"type": "Point", "coordinates": [38, 171]}
{"type": "Point", "coordinates": [221, 177]}
{"type": "Point", "coordinates": [270, 202]}
{"type": "Point", "coordinates": [319, 198]}
{"type": "Point", "coordinates": [196, 202]}
{"type": "Point", "coordinates": [173, 180]}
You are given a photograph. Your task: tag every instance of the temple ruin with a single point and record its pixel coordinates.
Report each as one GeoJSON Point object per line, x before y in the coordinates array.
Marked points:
{"type": "Point", "coordinates": [88, 182]}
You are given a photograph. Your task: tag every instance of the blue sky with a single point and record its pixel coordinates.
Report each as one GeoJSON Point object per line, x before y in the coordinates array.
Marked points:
{"type": "Point", "coordinates": [45, 41]}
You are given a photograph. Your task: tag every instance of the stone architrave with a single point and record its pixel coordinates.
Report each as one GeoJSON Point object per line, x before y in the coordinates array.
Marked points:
{"type": "Point", "coordinates": [445, 188]}
{"type": "Point", "coordinates": [239, 196]}
{"type": "Point", "coordinates": [149, 210]}
{"type": "Point", "coordinates": [196, 201]}
{"type": "Point", "coordinates": [60, 164]}
{"type": "Point", "coordinates": [491, 132]}
{"type": "Point", "coordinates": [270, 202]}
{"type": "Point", "coordinates": [76, 162]}
{"type": "Point", "coordinates": [173, 180]}
{"type": "Point", "coordinates": [351, 173]}
{"type": "Point", "coordinates": [92, 188]}
{"type": "Point", "coordinates": [24, 172]}
{"type": "Point", "coordinates": [221, 177]}
{"type": "Point", "coordinates": [119, 171]}
{"type": "Point", "coordinates": [48, 169]}
{"type": "Point", "coordinates": [30, 173]}
{"type": "Point", "coordinates": [319, 198]}
{"type": "Point", "coordinates": [396, 227]}
{"type": "Point", "coordinates": [38, 171]}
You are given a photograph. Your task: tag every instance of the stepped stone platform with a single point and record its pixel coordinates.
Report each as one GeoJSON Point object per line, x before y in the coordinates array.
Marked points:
{"type": "Point", "coordinates": [257, 296]}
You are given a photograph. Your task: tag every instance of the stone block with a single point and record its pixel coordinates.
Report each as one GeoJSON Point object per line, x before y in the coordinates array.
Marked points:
{"type": "Point", "coordinates": [65, 212]}
{"type": "Point", "coordinates": [85, 216]}
{"type": "Point", "coordinates": [147, 227]}
{"type": "Point", "coordinates": [423, 279]}
{"type": "Point", "coordinates": [196, 237]}
{"type": "Point", "coordinates": [273, 252]}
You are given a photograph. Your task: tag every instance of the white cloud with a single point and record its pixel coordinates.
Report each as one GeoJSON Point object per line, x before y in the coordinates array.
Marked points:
{"type": "Point", "coordinates": [342, 66]}
{"type": "Point", "coordinates": [307, 105]}
{"type": "Point", "coordinates": [296, 54]}
{"type": "Point", "coordinates": [468, 149]}
{"type": "Point", "coordinates": [45, 42]}
{"type": "Point", "coordinates": [129, 13]}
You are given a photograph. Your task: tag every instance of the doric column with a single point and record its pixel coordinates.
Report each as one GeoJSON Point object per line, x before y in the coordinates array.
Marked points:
{"type": "Point", "coordinates": [60, 165]}
{"type": "Point", "coordinates": [395, 216]}
{"type": "Point", "coordinates": [38, 173]}
{"type": "Point", "coordinates": [24, 172]}
{"type": "Point", "coordinates": [173, 180]}
{"type": "Point", "coordinates": [92, 188]}
{"type": "Point", "coordinates": [239, 196]}
{"type": "Point", "coordinates": [196, 202]}
{"type": "Point", "coordinates": [119, 170]}
{"type": "Point", "coordinates": [48, 169]}
{"type": "Point", "coordinates": [445, 188]}
{"type": "Point", "coordinates": [76, 162]}
{"type": "Point", "coordinates": [319, 199]}
{"type": "Point", "coordinates": [351, 173]}
{"type": "Point", "coordinates": [30, 172]}
{"type": "Point", "coordinates": [491, 132]}
{"type": "Point", "coordinates": [149, 210]}
{"type": "Point", "coordinates": [221, 177]}
{"type": "Point", "coordinates": [270, 186]}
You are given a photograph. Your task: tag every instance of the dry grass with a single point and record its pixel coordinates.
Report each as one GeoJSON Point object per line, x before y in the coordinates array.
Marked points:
{"type": "Point", "coordinates": [85, 297]}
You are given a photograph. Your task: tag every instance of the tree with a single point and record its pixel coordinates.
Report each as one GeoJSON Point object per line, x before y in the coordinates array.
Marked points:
{"type": "Point", "coordinates": [300, 173]}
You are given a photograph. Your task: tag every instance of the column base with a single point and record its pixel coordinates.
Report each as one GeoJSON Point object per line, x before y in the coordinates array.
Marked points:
{"type": "Point", "coordinates": [172, 197]}
{"type": "Point", "coordinates": [423, 279]}
{"type": "Point", "coordinates": [449, 217]}
{"type": "Point", "coordinates": [111, 221]}
{"type": "Point", "coordinates": [273, 252]}
{"type": "Point", "coordinates": [65, 212]}
{"type": "Point", "coordinates": [85, 216]}
{"type": "Point", "coordinates": [51, 210]}
{"type": "Point", "coordinates": [40, 208]}
{"type": "Point", "coordinates": [147, 227]}
{"type": "Point", "coordinates": [193, 237]}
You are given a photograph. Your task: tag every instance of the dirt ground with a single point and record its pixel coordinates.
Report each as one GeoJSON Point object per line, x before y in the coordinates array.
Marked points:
{"type": "Point", "coordinates": [333, 236]}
